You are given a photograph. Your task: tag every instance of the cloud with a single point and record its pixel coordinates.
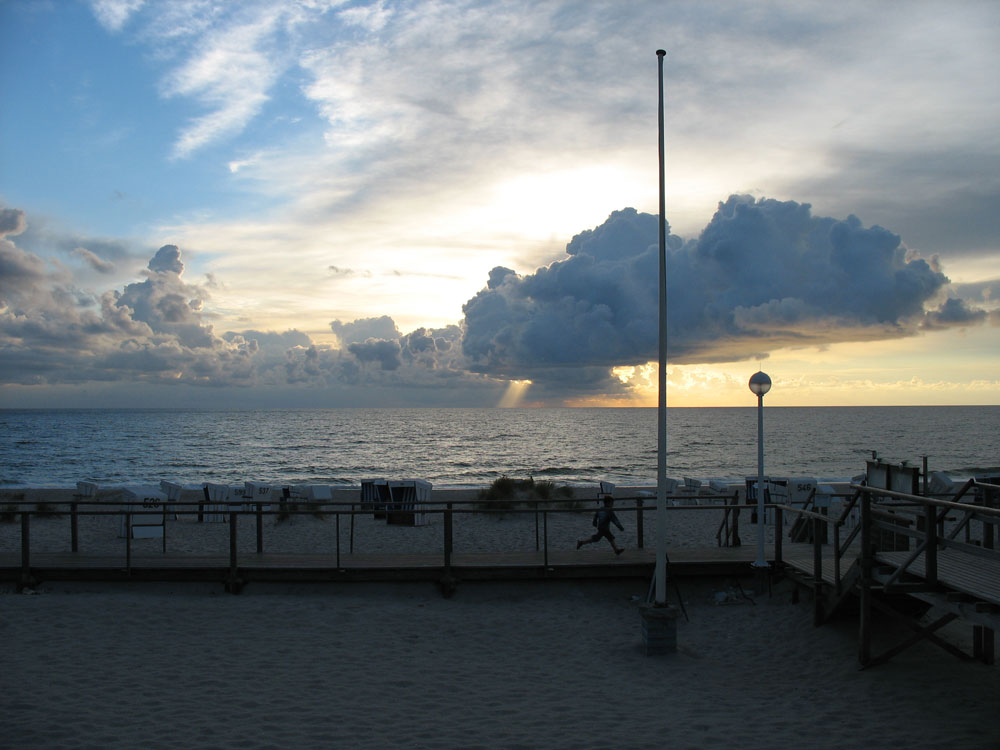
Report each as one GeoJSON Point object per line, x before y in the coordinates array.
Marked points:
{"type": "Point", "coordinates": [763, 274]}
{"type": "Point", "coordinates": [114, 14]}
{"type": "Point", "coordinates": [954, 313]}
{"type": "Point", "coordinates": [357, 331]}
{"type": "Point", "coordinates": [157, 331]}
{"type": "Point", "coordinates": [93, 260]}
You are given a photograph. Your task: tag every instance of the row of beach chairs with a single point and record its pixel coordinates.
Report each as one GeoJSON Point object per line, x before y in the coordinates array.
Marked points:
{"type": "Point", "coordinates": [396, 501]}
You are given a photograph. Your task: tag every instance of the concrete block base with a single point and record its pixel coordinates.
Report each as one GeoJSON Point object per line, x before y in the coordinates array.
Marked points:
{"type": "Point", "coordinates": [659, 629]}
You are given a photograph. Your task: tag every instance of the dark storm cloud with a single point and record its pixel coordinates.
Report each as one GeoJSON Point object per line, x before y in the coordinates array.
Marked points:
{"type": "Point", "coordinates": [762, 275]}
{"type": "Point", "coordinates": [381, 351]}
{"type": "Point", "coordinates": [938, 200]}
{"type": "Point", "coordinates": [953, 313]}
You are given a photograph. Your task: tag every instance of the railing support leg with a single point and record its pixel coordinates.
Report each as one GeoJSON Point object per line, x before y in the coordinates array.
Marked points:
{"type": "Point", "coordinates": [865, 594]}
{"type": "Point", "coordinates": [233, 583]}
{"type": "Point", "coordinates": [260, 528]}
{"type": "Point", "coordinates": [638, 523]}
{"type": "Point", "coordinates": [26, 579]}
{"type": "Point", "coordinates": [74, 528]}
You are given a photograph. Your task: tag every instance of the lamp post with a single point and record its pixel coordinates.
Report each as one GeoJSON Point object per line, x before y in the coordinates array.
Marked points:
{"type": "Point", "coordinates": [760, 384]}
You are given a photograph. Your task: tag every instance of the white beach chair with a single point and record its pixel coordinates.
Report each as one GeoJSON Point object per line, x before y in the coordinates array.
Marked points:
{"type": "Point", "coordinates": [318, 493]}
{"type": "Point", "coordinates": [174, 493]}
{"type": "Point", "coordinates": [257, 492]}
{"type": "Point", "coordinates": [218, 499]}
{"type": "Point", "coordinates": [369, 494]}
{"type": "Point", "coordinates": [691, 490]}
{"type": "Point", "coordinates": [87, 490]}
{"type": "Point", "coordinates": [405, 497]}
{"type": "Point", "coordinates": [141, 500]}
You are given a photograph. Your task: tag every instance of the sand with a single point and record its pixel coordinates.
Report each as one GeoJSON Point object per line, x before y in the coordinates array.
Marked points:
{"type": "Point", "coordinates": [499, 665]}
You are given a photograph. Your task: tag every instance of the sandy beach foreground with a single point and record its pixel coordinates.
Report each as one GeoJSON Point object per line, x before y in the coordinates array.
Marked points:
{"type": "Point", "coordinates": [555, 665]}
{"type": "Point", "coordinates": [500, 665]}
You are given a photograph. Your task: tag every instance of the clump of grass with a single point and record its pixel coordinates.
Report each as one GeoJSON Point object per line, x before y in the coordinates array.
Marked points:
{"type": "Point", "coordinates": [286, 512]}
{"type": "Point", "coordinates": [8, 511]}
{"type": "Point", "coordinates": [48, 510]}
{"type": "Point", "coordinates": [507, 494]}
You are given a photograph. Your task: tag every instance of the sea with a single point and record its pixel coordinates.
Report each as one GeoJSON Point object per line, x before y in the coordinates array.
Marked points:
{"type": "Point", "coordinates": [460, 448]}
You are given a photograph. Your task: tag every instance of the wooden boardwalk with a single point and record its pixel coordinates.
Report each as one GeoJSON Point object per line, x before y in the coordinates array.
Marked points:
{"type": "Point", "coordinates": [250, 567]}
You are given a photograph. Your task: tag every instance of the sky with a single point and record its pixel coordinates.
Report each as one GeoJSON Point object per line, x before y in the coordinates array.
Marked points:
{"type": "Point", "coordinates": [325, 203]}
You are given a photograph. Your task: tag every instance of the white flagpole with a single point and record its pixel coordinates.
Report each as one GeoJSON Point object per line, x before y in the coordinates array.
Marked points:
{"type": "Point", "coordinates": [661, 426]}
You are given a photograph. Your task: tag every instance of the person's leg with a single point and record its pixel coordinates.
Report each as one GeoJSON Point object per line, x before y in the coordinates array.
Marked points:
{"type": "Point", "coordinates": [611, 540]}
{"type": "Point", "coordinates": [588, 540]}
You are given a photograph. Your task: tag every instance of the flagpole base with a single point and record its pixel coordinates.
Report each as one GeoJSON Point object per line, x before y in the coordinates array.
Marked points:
{"type": "Point", "coordinates": [659, 628]}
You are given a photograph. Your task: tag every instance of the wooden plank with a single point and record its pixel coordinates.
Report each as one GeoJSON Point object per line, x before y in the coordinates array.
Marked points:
{"type": "Point", "coordinates": [525, 564]}
{"type": "Point", "coordinates": [975, 576]}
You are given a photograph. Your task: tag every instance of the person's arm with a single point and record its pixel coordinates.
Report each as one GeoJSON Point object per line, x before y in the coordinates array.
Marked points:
{"type": "Point", "coordinates": [614, 517]}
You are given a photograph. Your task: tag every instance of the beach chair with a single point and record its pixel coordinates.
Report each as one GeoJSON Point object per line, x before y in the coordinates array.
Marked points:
{"type": "Point", "coordinates": [405, 497]}
{"type": "Point", "coordinates": [218, 499]}
{"type": "Point", "coordinates": [318, 493]}
{"type": "Point", "coordinates": [384, 499]}
{"type": "Point", "coordinates": [174, 493]}
{"type": "Point", "coordinates": [257, 492]}
{"type": "Point", "coordinates": [87, 490]}
{"type": "Point", "coordinates": [144, 525]}
{"type": "Point", "coordinates": [369, 493]}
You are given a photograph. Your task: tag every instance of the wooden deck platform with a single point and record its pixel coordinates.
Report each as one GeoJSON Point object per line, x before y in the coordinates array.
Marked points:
{"type": "Point", "coordinates": [633, 563]}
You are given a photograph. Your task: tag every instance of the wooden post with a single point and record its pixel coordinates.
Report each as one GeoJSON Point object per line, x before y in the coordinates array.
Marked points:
{"type": "Point", "coordinates": [865, 592]}
{"type": "Point", "coordinates": [778, 534]}
{"type": "Point", "coordinates": [231, 584]}
{"type": "Point", "coordinates": [74, 527]}
{"type": "Point", "coordinates": [352, 529]}
{"type": "Point", "coordinates": [987, 638]}
{"type": "Point", "coordinates": [536, 526]}
{"type": "Point", "coordinates": [545, 523]}
{"type": "Point", "coordinates": [128, 542]}
{"type": "Point", "coordinates": [25, 547]}
{"type": "Point", "coordinates": [260, 528]}
{"type": "Point", "coordinates": [448, 538]}
{"type": "Point", "coordinates": [737, 542]}
{"type": "Point", "coordinates": [338, 539]}
{"type": "Point", "coordinates": [930, 553]}
{"type": "Point", "coordinates": [817, 572]}
{"type": "Point", "coordinates": [836, 557]}
{"type": "Point", "coordinates": [638, 522]}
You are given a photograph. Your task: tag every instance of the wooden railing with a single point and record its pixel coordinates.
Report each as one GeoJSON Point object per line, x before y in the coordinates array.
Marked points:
{"type": "Point", "coordinates": [541, 509]}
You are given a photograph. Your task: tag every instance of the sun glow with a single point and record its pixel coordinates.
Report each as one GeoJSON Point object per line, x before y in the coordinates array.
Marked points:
{"type": "Point", "coordinates": [515, 393]}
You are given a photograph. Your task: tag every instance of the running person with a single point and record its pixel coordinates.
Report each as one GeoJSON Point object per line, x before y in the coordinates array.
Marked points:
{"type": "Point", "coordinates": [603, 518]}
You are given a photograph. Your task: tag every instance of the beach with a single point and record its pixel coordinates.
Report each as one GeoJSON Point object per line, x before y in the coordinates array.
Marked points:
{"type": "Point", "coordinates": [499, 665]}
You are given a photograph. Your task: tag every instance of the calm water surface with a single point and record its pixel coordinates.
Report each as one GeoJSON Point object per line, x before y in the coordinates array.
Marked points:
{"type": "Point", "coordinates": [472, 447]}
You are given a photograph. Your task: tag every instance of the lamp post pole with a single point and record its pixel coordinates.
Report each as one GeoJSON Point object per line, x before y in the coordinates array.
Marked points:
{"type": "Point", "coordinates": [759, 385]}
{"type": "Point", "coordinates": [661, 421]}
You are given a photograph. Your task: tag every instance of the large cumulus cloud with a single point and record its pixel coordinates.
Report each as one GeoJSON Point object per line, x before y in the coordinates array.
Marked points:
{"type": "Point", "coordinates": [763, 274]}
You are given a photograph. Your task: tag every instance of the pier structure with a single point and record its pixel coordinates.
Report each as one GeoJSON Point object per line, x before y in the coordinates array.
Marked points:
{"type": "Point", "coordinates": [891, 553]}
